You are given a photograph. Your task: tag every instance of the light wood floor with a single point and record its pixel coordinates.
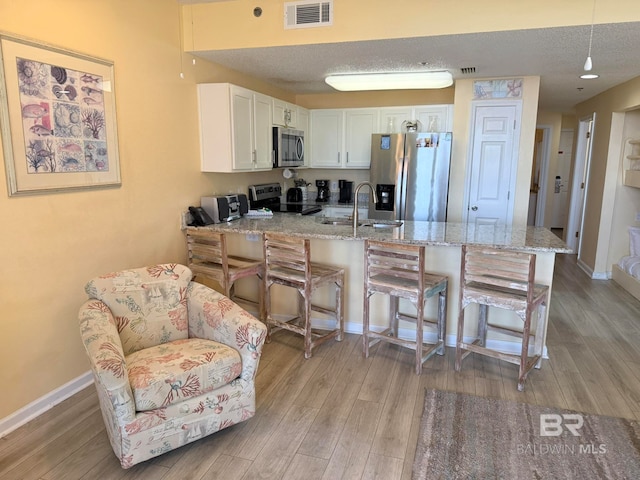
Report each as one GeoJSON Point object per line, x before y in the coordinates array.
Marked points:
{"type": "Point", "coordinates": [338, 415]}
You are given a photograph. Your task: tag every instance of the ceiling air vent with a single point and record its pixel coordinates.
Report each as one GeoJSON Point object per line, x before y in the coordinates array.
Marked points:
{"type": "Point", "coordinates": [307, 14]}
{"type": "Point", "coordinates": [467, 70]}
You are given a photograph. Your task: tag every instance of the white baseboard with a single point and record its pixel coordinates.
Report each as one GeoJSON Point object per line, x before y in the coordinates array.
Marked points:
{"type": "Point", "coordinates": [44, 403]}
{"type": "Point", "coordinates": [450, 340]}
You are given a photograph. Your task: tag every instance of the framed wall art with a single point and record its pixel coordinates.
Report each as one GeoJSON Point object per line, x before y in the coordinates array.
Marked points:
{"type": "Point", "coordinates": [57, 118]}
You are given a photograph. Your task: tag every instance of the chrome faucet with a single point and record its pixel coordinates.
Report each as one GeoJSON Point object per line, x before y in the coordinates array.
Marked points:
{"type": "Point", "coordinates": [355, 203]}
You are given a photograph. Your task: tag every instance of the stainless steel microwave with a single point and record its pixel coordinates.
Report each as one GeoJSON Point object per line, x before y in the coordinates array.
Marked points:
{"type": "Point", "coordinates": [288, 147]}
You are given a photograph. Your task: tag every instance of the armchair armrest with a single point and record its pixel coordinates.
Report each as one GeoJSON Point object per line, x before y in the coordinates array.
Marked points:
{"type": "Point", "coordinates": [101, 340]}
{"type": "Point", "coordinates": [215, 317]}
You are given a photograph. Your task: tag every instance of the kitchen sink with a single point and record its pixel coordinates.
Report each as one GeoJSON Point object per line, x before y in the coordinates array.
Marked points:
{"type": "Point", "coordinates": [362, 223]}
{"type": "Point", "coordinates": [337, 221]}
{"type": "Point", "coordinates": [382, 223]}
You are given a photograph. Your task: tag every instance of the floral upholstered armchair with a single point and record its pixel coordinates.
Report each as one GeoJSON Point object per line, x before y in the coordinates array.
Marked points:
{"type": "Point", "coordinates": [173, 360]}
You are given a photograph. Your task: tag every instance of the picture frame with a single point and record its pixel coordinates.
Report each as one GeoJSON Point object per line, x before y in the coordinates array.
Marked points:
{"type": "Point", "coordinates": [57, 118]}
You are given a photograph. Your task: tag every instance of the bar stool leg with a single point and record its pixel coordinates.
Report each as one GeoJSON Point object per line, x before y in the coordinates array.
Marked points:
{"type": "Point", "coordinates": [419, 331]}
{"type": "Point", "coordinates": [365, 324]}
{"type": "Point", "coordinates": [339, 310]}
{"type": "Point", "coordinates": [482, 324]}
{"type": "Point", "coordinates": [267, 308]}
{"type": "Point", "coordinates": [442, 318]}
{"type": "Point", "coordinates": [308, 339]}
{"type": "Point", "coordinates": [540, 327]}
{"type": "Point", "coordinates": [524, 352]}
{"type": "Point", "coordinates": [393, 315]}
{"type": "Point", "coordinates": [459, 339]}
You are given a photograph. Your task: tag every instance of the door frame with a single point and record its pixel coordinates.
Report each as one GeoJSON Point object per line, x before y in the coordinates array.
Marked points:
{"type": "Point", "coordinates": [580, 174]}
{"type": "Point", "coordinates": [514, 154]}
{"type": "Point", "coordinates": [543, 183]}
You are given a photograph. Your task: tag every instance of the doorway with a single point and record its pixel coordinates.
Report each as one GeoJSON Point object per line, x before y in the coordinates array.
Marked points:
{"type": "Point", "coordinates": [493, 163]}
{"type": "Point", "coordinates": [539, 172]}
{"type": "Point", "coordinates": [579, 183]}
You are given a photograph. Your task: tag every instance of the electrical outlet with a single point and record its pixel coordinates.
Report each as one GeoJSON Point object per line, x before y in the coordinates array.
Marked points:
{"type": "Point", "coordinates": [253, 237]}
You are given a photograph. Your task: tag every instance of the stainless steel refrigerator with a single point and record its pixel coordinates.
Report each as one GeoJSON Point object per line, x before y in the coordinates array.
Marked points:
{"type": "Point", "coordinates": [410, 172]}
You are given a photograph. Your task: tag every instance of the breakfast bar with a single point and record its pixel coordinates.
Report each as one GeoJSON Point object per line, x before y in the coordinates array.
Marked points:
{"type": "Point", "coordinates": [333, 242]}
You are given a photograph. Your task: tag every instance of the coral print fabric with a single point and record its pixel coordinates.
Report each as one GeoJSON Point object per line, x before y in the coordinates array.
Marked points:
{"type": "Point", "coordinates": [173, 360]}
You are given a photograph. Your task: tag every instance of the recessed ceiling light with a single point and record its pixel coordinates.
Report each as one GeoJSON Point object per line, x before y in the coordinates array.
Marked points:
{"type": "Point", "coordinates": [589, 76]}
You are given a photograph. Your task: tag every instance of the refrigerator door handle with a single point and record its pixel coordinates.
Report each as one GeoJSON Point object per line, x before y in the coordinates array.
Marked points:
{"type": "Point", "coordinates": [402, 201]}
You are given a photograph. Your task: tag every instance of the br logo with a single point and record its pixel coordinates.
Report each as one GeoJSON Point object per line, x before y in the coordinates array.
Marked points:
{"type": "Point", "coordinates": [552, 424]}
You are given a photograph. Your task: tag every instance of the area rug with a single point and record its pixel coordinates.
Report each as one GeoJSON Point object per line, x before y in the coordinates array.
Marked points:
{"type": "Point", "coordinates": [464, 436]}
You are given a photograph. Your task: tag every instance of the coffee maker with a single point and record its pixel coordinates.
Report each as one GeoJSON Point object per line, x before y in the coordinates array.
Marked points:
{"type": "Point", "coordinates": [323, 190]}
{"type": "Point", "coordinates": [346, 191]}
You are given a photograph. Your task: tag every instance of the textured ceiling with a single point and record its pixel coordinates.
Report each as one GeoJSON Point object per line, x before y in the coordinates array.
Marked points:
{"type": "Point", "coordinates": [557, 55]}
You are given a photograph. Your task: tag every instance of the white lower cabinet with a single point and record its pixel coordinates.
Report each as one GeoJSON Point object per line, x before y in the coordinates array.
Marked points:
{"type": "Point", "coordinates": [235, 128]}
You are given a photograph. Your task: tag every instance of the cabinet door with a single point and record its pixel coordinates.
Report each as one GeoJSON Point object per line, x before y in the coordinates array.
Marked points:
{"type": "Point", "coordinates": [326, 138]}
{"type": "Point", "coordinates": [284, 114]}
{"type": "Point", "coordinates": [242, 128]}
{"type": "Point", "coordinates": [359, 125]}
{"type": "Point", "coordinates": [303, 124]}
{"type": "Point", "coordinates": [263, 139]}
{"type": "Point", "coordinates": [434, 118]}
{"type": "Point", "coordinates": [391, 119]}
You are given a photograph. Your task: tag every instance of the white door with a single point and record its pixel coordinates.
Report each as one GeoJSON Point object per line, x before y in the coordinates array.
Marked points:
{"type": "Point", "coordinates": [492, 167]}
{"type": "Point", "coordinates": [579, 183]}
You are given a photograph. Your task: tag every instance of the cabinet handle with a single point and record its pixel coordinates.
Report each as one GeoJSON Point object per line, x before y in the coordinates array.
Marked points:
{"type": "Point", "coordinates": [253, 154]}
{"type": "Point", "coordinates": [338, 157]}
{"type": "Point", "coordinates": [347, 157]}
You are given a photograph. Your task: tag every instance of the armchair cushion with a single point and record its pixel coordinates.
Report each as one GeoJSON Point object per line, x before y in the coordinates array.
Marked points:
{"type": "Point", "coordinates": [172, 372]}
{"type": "Point", "coordinates": [149, 304]}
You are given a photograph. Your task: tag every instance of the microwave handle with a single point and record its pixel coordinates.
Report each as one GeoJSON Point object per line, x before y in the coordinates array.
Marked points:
{"type": "Point", "coordinates": [299, 148]}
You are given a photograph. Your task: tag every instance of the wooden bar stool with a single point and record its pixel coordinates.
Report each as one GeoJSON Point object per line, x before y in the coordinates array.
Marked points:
{"type": "Point", "coordinates": [503, 279]}
{"type": "Point", "coordinates": [288, 263]}
{"type": "Point", "coordinates": [397, 270]}
{"type": "Point", "coordinates": [208, 257]}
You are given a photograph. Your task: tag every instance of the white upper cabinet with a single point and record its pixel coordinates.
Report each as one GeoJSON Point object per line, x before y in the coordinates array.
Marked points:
{"type": "Point", "coordinates": [341, 138]}
{"type": "Point", "coordinates": [285, 114]}
{"type": "Point", "coordinates": [430, 118]}
{"type": "Point", "coordinates": [392, 118]}
{"type": "Point", "coordinates": [326, 138]}
{"type": "Point", "coordinates": [434, 118]}
{"type": "Point", "coordinates": [235, 128]}
{"type": "Point", "coordinates": [360, 124]}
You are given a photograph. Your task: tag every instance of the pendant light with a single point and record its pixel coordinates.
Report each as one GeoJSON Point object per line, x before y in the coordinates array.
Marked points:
{"type": "Point", "coordinates": [588, 64]}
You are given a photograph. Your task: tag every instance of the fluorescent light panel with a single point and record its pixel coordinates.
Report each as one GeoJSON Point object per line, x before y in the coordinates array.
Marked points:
{"type": "Point", "coordinates": [390, 81]}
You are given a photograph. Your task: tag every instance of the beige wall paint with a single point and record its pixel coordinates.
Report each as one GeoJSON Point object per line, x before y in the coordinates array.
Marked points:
{"type": "Point", "coordinates": [603, 178]}
{"type": "Point", "coordinates": [394, 98]}
{"type": "Point", "coordinates": [53, 244]}
{"type": "Point", "coordinates": [223, 25]}
{"type": "Point", "coordinates": [462, 134]}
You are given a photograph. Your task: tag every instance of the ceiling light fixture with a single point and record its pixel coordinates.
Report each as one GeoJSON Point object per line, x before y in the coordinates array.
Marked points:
{"type": "Point", "coordinates": [588, 64]}
{"type": "Point", "coordinates": [390, 81]}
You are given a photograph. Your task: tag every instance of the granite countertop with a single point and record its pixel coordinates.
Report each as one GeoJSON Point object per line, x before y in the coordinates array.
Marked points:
{"type": "Point", "coordinates": [531, 239]}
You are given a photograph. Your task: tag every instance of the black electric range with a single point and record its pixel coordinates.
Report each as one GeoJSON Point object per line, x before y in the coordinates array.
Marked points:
{"type": "Point", "coordinates": [267, 195]}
